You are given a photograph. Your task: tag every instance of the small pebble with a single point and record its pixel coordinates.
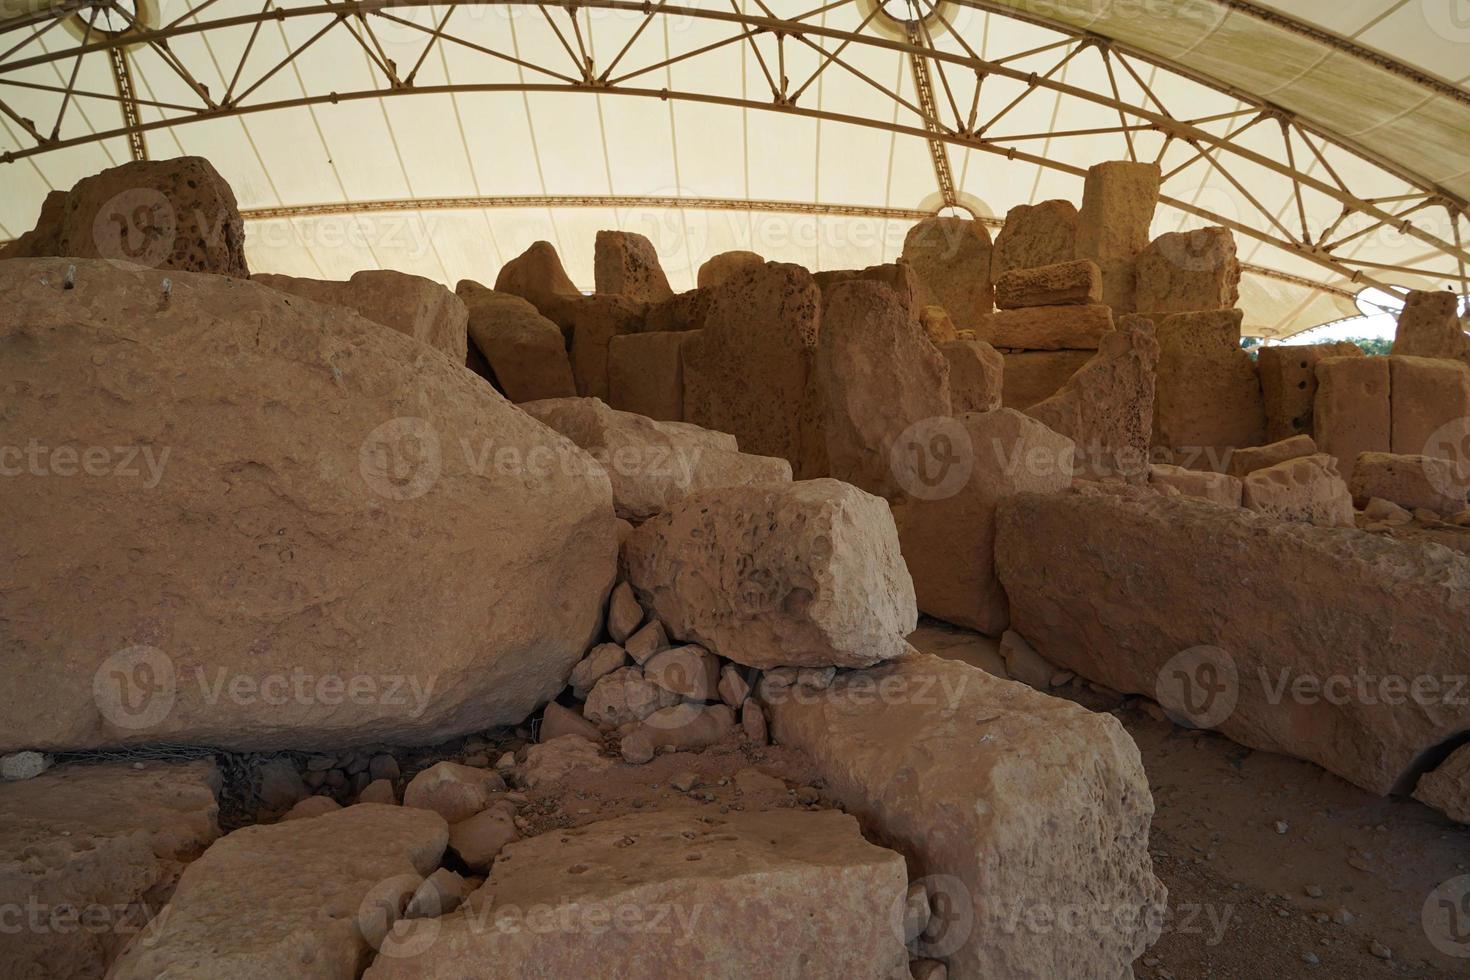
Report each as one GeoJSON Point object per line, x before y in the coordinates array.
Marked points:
{"type": "Point", "coordinates": [1314, 891]}
{"type": "Point", "coordinates": [1379, 950]}
{"type": "Point", "coordinates": [1311, 959]}
{"type": "Point", "coordinates": [1282, 826]}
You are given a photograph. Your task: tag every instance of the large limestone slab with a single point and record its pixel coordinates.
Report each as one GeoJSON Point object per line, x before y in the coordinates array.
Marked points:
{"type": "Point", "coordinates": [526, 352]}
{"type": "Point", "coordinates": [1118, 202]}
{"type": "Point", "coordinates": [1106, 408]}
{"type": "Point", "coordinates": [624, 263]}
{"type": "Point", "coordinates": [1187, 271]}
{"type": "Point", "coordinates": [1060, 284]}
{"type": "Point", "coordinates": [412, 305]}
{"type": "Point", "coordinates": [1351, 414]}
{"type": "Point", "coordinates": [1118, 589]}
{"type": "Point", "coordinates": [594, 322]}
{"type": "Point", "coordinates": [1048, 327]}
{"type": "Point", "coordinates": [666, 894]}
{"type": "Point", "coordinates": [1245, 461]}
{"type": "Point", "coordinates": [879, 375]}
{"type": "Point", "coordinates": [302, 898]}
{"type": "Point", "coordinates": [360, 546]}
{"type": "Point", "coordinates": [1305, 488]}
{"type": "Point", "coordinates": [83, 845]}
{"type": "Point", "coordinates": [749, 372]}
{"type": "Point", "coordinates": [166, 214]}
{"type": "Point", "coordinates": [653, 464]}
{"type": "Point", "coordinates": [948, 536]}
{"type": "Point", "coordinates": [1289, 384]}
{"type": "Point", "coordinates": [1411, 482]}
{"type": "Point", "coordinates": [1004, 801]}
{"type": "Point", "coordinates": [976, 375]}
{"type": "Point", "coordinates": [804, 574]}
{"type": "Point", "coordinates": [1034, 376]}
{"type": "Point", "coordinates": [1430, 400]}
{"type": "Point", "coordinates": [1035, 235]}
{"type": "Point", "coordinates": [1430, 326]}
{"type": "Point", "coordinates": [645, 373]}
{"type": "Point", "coordinates": [952, 259]}
{"type": "Point", "coordinates": [1208, 396]}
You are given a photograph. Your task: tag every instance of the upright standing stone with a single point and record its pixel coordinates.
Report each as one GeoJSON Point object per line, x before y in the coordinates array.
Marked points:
{"type": "Point", "coordinates": [879, 375]}
{"type": "Point", "coordinates": [1289, 384]}
{"type": "Point", "coordinates": [594, 322]}
{"type": "Point", "coordinates": [524, 350]}
{"type": "Point", "coordinates": [1351, 414]}
{"type": "Point", "coordinates": [645, 373]}
{"type": "Point", "coordinates": [1036, 235]}
{"type": "Point", "coordinates": [749, 371]}
{"type": "Point", "coordinates": [537, 275]}
{"type": "Point", "coordinates": [1118, 205]}
{"type": "Point", "coordinates": [1430, 326]}
{"type": "Point", "coordinates": [625, 264]}
{"type": "Point", "coordinates": [952, 259]}
{"type": "Point", "coordinates": [1430, 400]}
{"type": "Point", "coordinates": [1208, 399]}
{"type": "Point", "coordinates": [725, 266]}
{"type": "Point", "coordinates": [1187, 271]}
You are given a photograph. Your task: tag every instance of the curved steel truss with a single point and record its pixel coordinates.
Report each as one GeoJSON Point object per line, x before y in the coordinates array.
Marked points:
{"type": "Point", "coordinates": [1186, 146]}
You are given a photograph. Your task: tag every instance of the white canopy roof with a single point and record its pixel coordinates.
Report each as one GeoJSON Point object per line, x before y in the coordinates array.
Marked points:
{"type": "Point", "coordinates": [442, 139]}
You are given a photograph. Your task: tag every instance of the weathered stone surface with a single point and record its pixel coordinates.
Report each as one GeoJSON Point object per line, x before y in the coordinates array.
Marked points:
{"type": "Point", "coordinates": [625, 695]}
{"type": "Point", "coordinates": [600, 661]}
{"type": "Point", "coordinates": [1036, 235]}
{"type": "Point", "coordinates": [680, 312]}
{"type": "Point", "coordinates": [44, 239]}
{"type": "Point", "coordinates": [84, 840]}
{"type": "Point", "coordinates": [412, 305]}
{"type": "Point", "coordinates": [478, 839]}
{"type": "Point", "coordinates": [1411, 482]}
{"type": "Point", "coordinates": [948, 540]}
{"type": "Point", "coordinates": [1187, 271]}
{"type": "Point", "coordinates": [652, 464]}
{"type": "Point", "coordinates": [558, 720]}
{"type": "Point", "coordinates": [537, 275]}
{"type": "Point", "coordinates": [1246, 461]}
{"type": "Point", "coordinates": [554, 761]}
{"type": "Point", "coordinates": [718, 269]}
{"type": "Point", "coordinates": [624, 263]}
{"type": "Point", "coordinates": [749, 371]}
{"type": "Point", "coordinates": [1430, 326]}
{"type": "Point", "coordinates": [1218, 488]}
{"type": "Point", "coordinates": [691, 672]}
{"type": "Point", "coordinates": [1034, 376]}
{"type": "Point", "coordinates": [1351, 413]}
{"type": "Point", "coordinates": [899, 277]}
{"type": "Point", "coordinates": [878, 375]}
{"type": "Point", "coordinates": [1430, 400]}
{"type": "Point", "coordinates": [623, 613]}
{"type": "Point", "coordinates": [312, 806]}
{"type": "Point", "coordinates": [1118, 202]}
{"type": "Point", "coordinates": [1289, 384]}
{"type": "Point", "coordinates": [453, 791]}
{"type": "Point", "coordinates": [335, 530]}
{"type": "Point", "coordinates": [976, 375]}
{"type": "Point", "coordinates": [526, 352]}
{"type": "Point", "coordinates": [594, 322]}
{"type": "Point", "coordinates": [1115, 588]}
{"type": "Point", "coordinates": [1106, 408]}
{"type": "Point", "coordinates": [938, 327]}
{"type": "Point", "coordinates": [1078, 282]}
{"type": "Point", "coordinates": [961, 772]}
{"type": "Point", "coordinates": [1447, 788]}
{"type": "Point", "coordinates": [1307, 488]}
{"type": "Point", "coordinates": [291, 899]}
{"type": "Point", "coordinates": [951, 257]}
{"type": "Point", "coordinates": [166, 214]}
{"type": "Point", "coordinates": [804, 574]}
{"type": "Point", "coordinates": [1048, 327]}
{"type": "Point", "coordinates": [1208, 395]}
{"type": "Point", "coordinates": [744, 894]}
{"type": "Point", "coordinates": [685, 727]}
{"type": "Point", "coordinates": [645, 373]}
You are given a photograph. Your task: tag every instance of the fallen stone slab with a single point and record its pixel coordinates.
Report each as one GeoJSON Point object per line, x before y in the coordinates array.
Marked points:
{"type": "Point", "coordinates": [367, 557]}
{"type": "Point", "coordinates": [1246, 461]}
{"type": "Point", "coordinates": [414, 306]}
{"type": "Point", "coordinates": [653, 464]}
{"type": "Point", "coordinates": [673, 894]}
{"type": "Point", "coordinates": [879, 376]}
{"type": "Point", "coordinates": [1034, 376]}
{"type": "Point", "coordinates": [645, 373]}
{"type": "Point", "coordinates": [1447, 788]}
{"type": "Point", "coordinates": [83, 846]}
{"type": "Point", "coordinates": [625, 263]}
{"type": "Point", "coordinates": [1411, 482]}
{"type": "Point", "coordinates": [804, 574]}
{"type": "Point", "coordinates": [1118, 203]}
{"type": "Point", "coordinates": [1147, 596]}
{"type": "Point", "coordinates": [526, 352]}
{"type": "Point", "coordinates": [291, 899]}
{"type": "Point", "coordinates": [1036, 235]}
{"type": "Point", "coordinates": [1078, 282]}
{"type": "Point", "coordinates": [951, 257]}
{"type": "Point", "coordinates": [1351, 414]}
{"type": "Point", "coordinates": [1289, 384]}
{"type": "Point", "coordinates": [948, 536]}
{"type": "Point", "coordinates": [976, 375]}
{"type": "Point", "coordinates": [1006, 803]}
{"type": "Point", "coordinates": [1219, 488]}
{"type": "Point", "coordinates": [1048, 327]}
{"type": "Point", "coordinates": [1307, 488]}
{"type": "Point", "coordinates": [1188, 271]}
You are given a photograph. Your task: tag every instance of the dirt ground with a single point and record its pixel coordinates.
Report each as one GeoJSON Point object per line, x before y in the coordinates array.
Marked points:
{"type": "Point", "coordinates": [1263, 853]}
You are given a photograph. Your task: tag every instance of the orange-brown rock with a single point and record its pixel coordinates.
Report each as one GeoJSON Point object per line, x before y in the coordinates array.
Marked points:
{"type": "Point", "coordinates": [938, 327]}
{"type": "Point", "coordinates": [624, 263]}
{"type": "Point", "coordinates": [1034, 376]}
{"type": "Point", "coordinates": [1430, 400]}
{"type": "Point", "coordinates": [976, 375]}
{"type": "Point", "coordinates": [1412, 482]}
{"type": "Point", "coordinates": [961, 771]}
{"type": "Point", "coordinates": [1118, 589]}
{"type": "Point", "coordinates": [1243, 462]}
{"type": "Point", "coordinates": [1218, 488]}
{"type": "Point", "coordinates": [524, 350]}
{"type": "Point", "coordinates": [804, 574]}
{"type": "Point", "coordinates": [1289, 384]}
{"type": "Point", "coordinates": [1047, 327]}
{"type": "Point", "coordinates": [719, 268]}
{"type": "Point", "coordinates": [1351, 414]}
{"type": "Point", "coordinates": [44, 239]}
{"type": "Point", "coordinates": [1078, 282]}
{"type": "Point", "coordinates": [1305, 488]}
{"type": "Point", "coordinates": [414, 306]}
{"type": "Point", "coordinates": [1447, 788]}
{"type": "Point", "coordinates": [1036, 235]}
{"type": "Point", "coordinates": [333, 473]}
{"type": "Point", "coordinates": [1118, 202]}
{"type": "Point", "coordinates": [1208, 398]}
{"type": "Point", "coordinates": [879, 375]}
{"type": "Point", "coordinates": [537, 275]}
{"type": "Point", "coordinates": [951, 257]}
{"type": "Point", "coordinates": [1430, 326]}
{"type": "Point", "coordinates": [1189, 271]}
{"type": "Point", "coordinates": [594, 321]}
{"type": "Point", "coordinates": [645, 373]}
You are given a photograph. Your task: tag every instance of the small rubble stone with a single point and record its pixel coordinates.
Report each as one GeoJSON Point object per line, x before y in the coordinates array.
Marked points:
{"type": "Point", "coordinates": [753, 722]}
{"type": "Point", "coordinates": [312, 806]}
{"type": "Point", "coordinates": [1023, 663]}
{"type": "Point", "coordinates": [383, 766]}
{"type": "Point", "coordinates": [734, 688]}
{"type": "Point", "coordinates": [439, 894]}
{"type": "Point", "coordinates": [480, 838]}
{"type": "Point", "coordinates": [378, 791]}
{"type": "Point", "coordinates": [23, 765]}
{"type": "Point", "coordinates": [1447, 787]}
{"type": "Point", "coordinates": [649, 640]}
{"type": "Point", "coordinates": [453, 791]}
{"type": "Point", "coordinates": [916, 912]}
{"type": "Point", "coordinates": [600, 661]}
{"type": "Point", "coordinates": [548, 762]}
{"type": "Point", "coordinates": [689, 671]}
{"type": "Point", "coordinates": [558, 720]}
{"type": "Point", "coordinates": [623, 613]}
{"type": "Point", "coordinates": [625, 696]}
